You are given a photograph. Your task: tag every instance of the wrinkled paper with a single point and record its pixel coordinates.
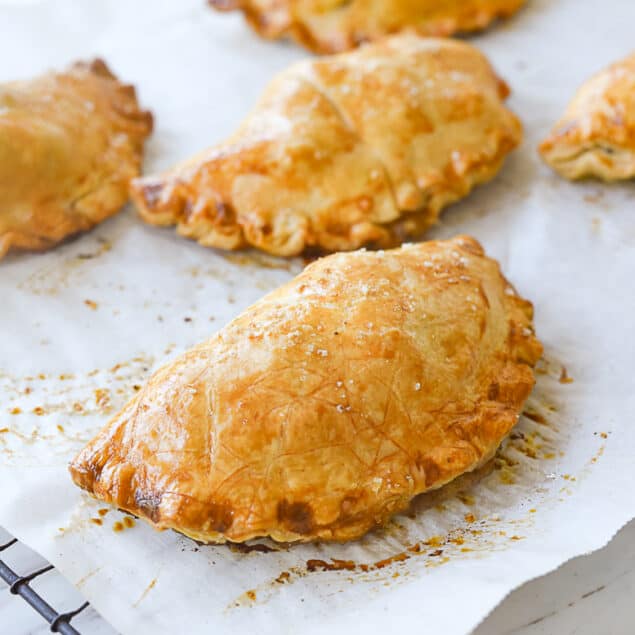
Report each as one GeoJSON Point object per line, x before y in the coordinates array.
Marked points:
{"type": "Point", "coordinates": [84, 325]}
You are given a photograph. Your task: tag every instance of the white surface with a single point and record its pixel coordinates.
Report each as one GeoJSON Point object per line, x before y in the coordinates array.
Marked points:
{"type": "Point", "coordinates": [587, 596]}
{"type": "Point", "coordinates": [570, 248]}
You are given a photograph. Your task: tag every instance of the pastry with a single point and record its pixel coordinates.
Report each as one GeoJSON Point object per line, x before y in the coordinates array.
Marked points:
{"type": "Point", "coordinates": [362, 148]}
{"type": "Point", "coordinates": [326, 406]}
{"type": "Point", "coordinates": [329, 26]}
{"type": "Point", "coordinates": [69, 144]}
{"type": "Point", "coordinates": [596, 136]}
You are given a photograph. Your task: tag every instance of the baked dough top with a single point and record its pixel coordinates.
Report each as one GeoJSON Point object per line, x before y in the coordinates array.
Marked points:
{"type": "Point", "coordinates": [360, 148]}
{"type": "Point", "coordinates": [329, 26]}
{"type": "Point", "coordinates": [596, 135]}
{"type": "Point", "coordinates": [325, 407]}
{"type": "Point", "coordinates": [69, 144]}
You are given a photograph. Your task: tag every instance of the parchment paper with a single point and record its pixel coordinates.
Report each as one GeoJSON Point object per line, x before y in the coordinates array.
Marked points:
{"type": "Point", "coordinates": [83, 325]}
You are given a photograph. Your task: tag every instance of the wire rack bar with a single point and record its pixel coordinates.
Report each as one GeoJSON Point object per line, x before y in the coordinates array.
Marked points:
{"type": "Point", "coordinates": [20, 585]}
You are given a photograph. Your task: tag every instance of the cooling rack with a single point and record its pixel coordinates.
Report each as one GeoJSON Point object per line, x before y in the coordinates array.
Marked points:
{"type": "Point", "coordinates": [21, 568]}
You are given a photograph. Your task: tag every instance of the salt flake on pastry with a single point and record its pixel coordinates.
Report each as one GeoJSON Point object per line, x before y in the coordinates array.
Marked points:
{"type": "Point", "coordinates": [326, 406]}
{"type": "Point", "coordinates": [361, 148]}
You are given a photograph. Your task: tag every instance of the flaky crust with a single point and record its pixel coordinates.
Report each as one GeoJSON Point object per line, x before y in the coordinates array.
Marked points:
{"type": "Point", "coordinates": [362, 148]}
{"type": "Point", "coordinates": [596, 136]}
{"type": "Point", "coordinates": [69, 144]}
{"type": "Point", "coordinates": [328, 405]}
{"type": "Point", "coordinates": [331, 26]}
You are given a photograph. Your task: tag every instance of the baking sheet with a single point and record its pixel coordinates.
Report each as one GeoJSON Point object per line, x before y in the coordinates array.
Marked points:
{"type": "Point", "coordinates": [84, 325]}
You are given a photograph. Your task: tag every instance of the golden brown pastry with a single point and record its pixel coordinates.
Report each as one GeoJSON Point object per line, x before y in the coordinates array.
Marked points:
{"type": "Point", "coordinates": [362, 148]}
{"type": "Point", "coordinates": [328, 405]}
{"type": "Point", "coordinates": [596, 136]}
{"type": "Point", "coordinates": [329, 26]}
{"type": "Point", "coordinates": [69, 144]}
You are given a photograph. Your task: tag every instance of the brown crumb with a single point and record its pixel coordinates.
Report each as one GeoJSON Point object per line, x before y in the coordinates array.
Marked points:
{"type": "Point", "coordinates": [91, 304]}
{"type": "Point", "coordinates": [435, 541]}
{"type": "Point", "coordinates": [283, 577]}
{"type": "Point", "coordinates": [102, 398]}
{"type": "Point", "coordinates": [15, 411]}
{"type": "Point", "coordinates": [564, 377]}
{"type": "Point", "coordinates": [38, 410]}
{"type": "Point", "coordinates": [594, 198]}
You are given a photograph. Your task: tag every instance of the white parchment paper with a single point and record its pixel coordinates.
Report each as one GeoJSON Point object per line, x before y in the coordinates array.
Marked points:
{"type": "Point", "coordinates": [81, 326]}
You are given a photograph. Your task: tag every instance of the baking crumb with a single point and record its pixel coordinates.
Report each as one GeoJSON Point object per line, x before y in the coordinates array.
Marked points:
{"type": "Point", "coordinates": [91, 304]}
{"type": "Point", "coordinates": [564, 377]}
{"type": "Point", "coordinates": [15, 411]}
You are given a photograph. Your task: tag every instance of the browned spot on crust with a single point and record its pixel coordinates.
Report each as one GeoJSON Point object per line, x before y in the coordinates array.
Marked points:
{"type": "Point", "coordinates": [221, 517]}
{"type": "Point", "coordinates": [430, 469]}
{"type": "Point", "coordinates": [297, 517]}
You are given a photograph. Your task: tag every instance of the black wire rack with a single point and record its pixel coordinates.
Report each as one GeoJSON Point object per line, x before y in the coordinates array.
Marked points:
{"type": "Point", "coordinates": [20, 584]}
